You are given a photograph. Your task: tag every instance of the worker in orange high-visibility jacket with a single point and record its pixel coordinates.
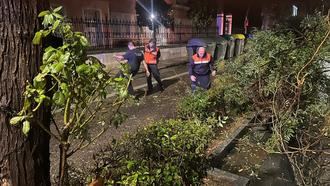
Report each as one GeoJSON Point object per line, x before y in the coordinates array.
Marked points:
{"type": "Point", "coordinates": [200, 68]}
{"type": "Point", "coordinates": [151, 57]}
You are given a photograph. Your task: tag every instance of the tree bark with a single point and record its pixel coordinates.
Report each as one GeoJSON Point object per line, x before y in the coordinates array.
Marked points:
{"type": "Point", "coordinates": [63, 168]}
{"type": "Point", "coordinates": [23, 160]}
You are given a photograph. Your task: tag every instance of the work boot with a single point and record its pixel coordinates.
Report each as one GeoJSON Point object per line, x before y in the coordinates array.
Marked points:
{"type": "Point", "coordinates": [161, 88]}
{"type": "Point", "coordinates": [148, 92]}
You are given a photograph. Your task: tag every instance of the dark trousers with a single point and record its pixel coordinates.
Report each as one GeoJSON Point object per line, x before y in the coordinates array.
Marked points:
{"type": "Point", "coordinates": [153, 69]}
{"type": "Point", "coordinates": [130, 86]}
{"type": "Point", "coordinates": [203, 81]}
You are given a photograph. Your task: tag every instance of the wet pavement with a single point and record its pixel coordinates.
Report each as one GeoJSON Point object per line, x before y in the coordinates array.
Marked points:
{"type": "Point", "coordinates": [169, 69]}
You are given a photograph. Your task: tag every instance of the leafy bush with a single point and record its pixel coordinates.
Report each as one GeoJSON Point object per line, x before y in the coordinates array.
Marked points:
{"type": "Point", "coordinates": [229, 90]}
{"type": "Point", "coordinates": [197, 105]}
{"type": "Point", "coordinates": [227, 96]}
{"type": "Point", "coordinates": [167, 153]}
{"type": "Point", "coordinates": [282, 72]}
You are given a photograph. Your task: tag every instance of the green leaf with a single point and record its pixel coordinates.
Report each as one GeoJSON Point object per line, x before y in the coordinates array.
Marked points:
{"type": "Point", "coordinates": [100, 75]}
{"type": "Point", "coordinates": [58, 16]}
{"type": "Point", "coordinates": [83, 41]}
{"type": "Point", "coordinates": [65, 46]}
{"type": "Point", "coordinates": [44, 69]}
{"type": "Point", "coordinates": [78, 33]}
{"type": "Point", "coordinates": [59, 98]}
{"type": "Point", "coordinates": [39, 81]}
{"type": "Point", "coordinates": [57, 9]}
{"type": "Point", "coordinates": [65, 57]}
{"type": "Point", "coordinates": [26, 127]}
{"type": "Point", "coordinates": [27, 104]}
{"type": "Point", "coordinates": [49, 51]}
{"type": "Point", "coordinates": [15, 120]}
{"type": "Point", "coordinates": [64, 86]}
{"type": "Point", "coordinates": [174, 137]}
{"type": "Point", "coordinates": [37, 38]}
{"type": "Point", "coordinates": [130, 164]}
{"type": "Point", "coordinates": [54, 57]}
{"type": "Point", "coordinates": [46, 33]}
{"type": "Point", "coordinates": [57, 67]}
{"type": "Point", "coordinates": [39, 78]}
{"type": "Point", "coordinates": [41, 99]}
{"type": "Point", "coordinates": [43, 13]}
{"type": "Point", "coordinates": [48, 19]}
{"type": "Point", "coordinates": [119, 79]}
{"type": "Point", "coordinates": [123, 93]}
{"type": "Point", "coordinates": [83, 68]}
{"type": "Point", "coordinates": [55, 25]}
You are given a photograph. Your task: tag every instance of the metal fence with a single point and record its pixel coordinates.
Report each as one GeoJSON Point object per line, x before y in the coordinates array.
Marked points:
{"type": "Point", "coordinates": [112, 33]}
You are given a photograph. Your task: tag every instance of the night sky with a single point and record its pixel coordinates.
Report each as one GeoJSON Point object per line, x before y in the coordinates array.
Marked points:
{"type": "Point", "coordinates": [240, 8]}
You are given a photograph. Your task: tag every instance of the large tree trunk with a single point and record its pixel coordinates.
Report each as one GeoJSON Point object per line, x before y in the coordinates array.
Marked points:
{"type": "Point", "coordinates": [23, 160]}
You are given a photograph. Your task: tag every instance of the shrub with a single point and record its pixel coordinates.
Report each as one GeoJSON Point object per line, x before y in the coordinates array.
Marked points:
{"type": "Point", "coordinates": [282, 75]}
{"type": "Point", "coordinates": [167, 153]}
{"type": "Point", "coordinates": [229, 90]}
{"type": "Point", "coordinates": [197, 105]}
{"type": "Point", "coordinates": [227, 96]}
{"type": "Point", "coordinates": [281, 72]}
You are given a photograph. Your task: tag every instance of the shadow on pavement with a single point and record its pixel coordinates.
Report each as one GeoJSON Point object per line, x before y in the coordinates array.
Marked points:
{"type": "Point", "coordinates": [169, 82]}
{"type": "Point", "coordinates": [166, 83]}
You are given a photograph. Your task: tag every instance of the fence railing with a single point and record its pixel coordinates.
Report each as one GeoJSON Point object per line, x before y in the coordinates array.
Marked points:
{"type": "Point", "coordinates": [112, 33]}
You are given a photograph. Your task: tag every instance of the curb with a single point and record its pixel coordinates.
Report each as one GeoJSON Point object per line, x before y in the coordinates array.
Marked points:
{"type": "Point", "coordinates": [235, 180]}
{"type": "Point", "coordinates": [221, 151]}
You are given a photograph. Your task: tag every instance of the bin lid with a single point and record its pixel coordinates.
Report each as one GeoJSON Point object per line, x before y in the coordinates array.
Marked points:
{"type": "Point", "coordinates": [195, 42]}
{"type": "Point", "coordinates": [239, 36]}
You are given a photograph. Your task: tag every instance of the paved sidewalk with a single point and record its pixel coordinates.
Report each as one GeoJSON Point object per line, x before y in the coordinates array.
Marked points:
{"type": "Point", "coordinates": [168, 69]}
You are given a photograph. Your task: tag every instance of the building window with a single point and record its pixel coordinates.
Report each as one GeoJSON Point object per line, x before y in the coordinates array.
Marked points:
{"type": "Point", "coordinates": [294, 10]}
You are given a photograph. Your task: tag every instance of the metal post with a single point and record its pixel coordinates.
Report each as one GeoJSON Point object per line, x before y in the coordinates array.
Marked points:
{"type": "Point", "coordinates": [152, 20]}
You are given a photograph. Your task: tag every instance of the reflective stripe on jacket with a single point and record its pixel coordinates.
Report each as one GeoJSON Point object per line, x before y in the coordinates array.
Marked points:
{"type": "Point", "coordinates": [149, 57]}
{"type": "Point", "coordinates": [201, 65]}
